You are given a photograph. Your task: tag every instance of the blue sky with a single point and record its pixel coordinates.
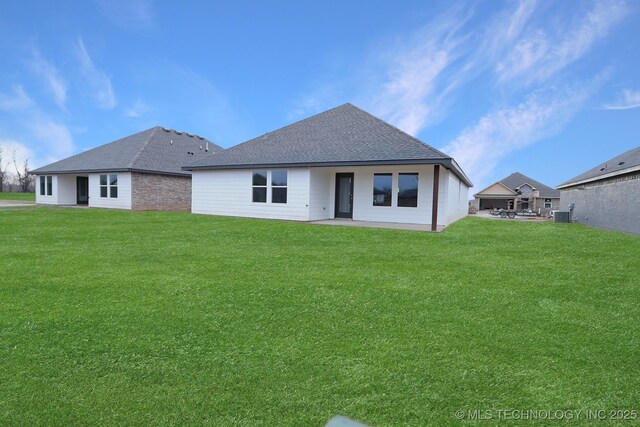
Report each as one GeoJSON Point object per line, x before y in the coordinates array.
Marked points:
{"type": "Point", "coordinates": [546, 88]}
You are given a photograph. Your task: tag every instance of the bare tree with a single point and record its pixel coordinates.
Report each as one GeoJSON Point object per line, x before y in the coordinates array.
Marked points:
{"type": "Point", "coordinates": [24, 179]}
{"type": "Point", "coordinates": [3, 172]}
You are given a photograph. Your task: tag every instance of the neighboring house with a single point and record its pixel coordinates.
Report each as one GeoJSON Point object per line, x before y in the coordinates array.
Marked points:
{"type": "Point", "coordinates": [518, 192]}
{"type": "Point", "coordinates": [140, 172]}
{"type": "Point", "coordinates": [607, 196]}
{"type": "Point", "coordinates": [342, 163]}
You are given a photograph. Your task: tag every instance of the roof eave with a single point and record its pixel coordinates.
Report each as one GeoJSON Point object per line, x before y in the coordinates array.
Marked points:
{"type": "Point", "coordinates": [599, 177]}
{"type": "Point", "coordinates": [108, 170]}
{"type": "Point", "coordinates": [447, 162]}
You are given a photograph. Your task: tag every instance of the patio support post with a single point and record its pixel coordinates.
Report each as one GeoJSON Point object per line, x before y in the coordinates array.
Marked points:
{"type": "Point", "coordinates": [434, 208]}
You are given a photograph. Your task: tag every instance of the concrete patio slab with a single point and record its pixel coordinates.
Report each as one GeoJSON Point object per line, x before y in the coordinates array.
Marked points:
{"type": "Point", "coordinates": [15, 203]}
{"type": "Point", "coordinates": [486, 214]}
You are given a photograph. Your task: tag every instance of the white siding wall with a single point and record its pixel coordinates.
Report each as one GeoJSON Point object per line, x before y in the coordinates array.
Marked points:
{"type": "Point", "coordinates": [311, 194]}
{"type": "Point", "coordinates": [47, 200]}
{"type": "Point", "coordinates": [322, 195]}
{"type": "Point", "coordinates": [123, 201]}
{"type": "Point", "coordinates": [229, 192]}
{"type": "Point", "coordinates": [456, 204]}
{"type": "Point", "coordinates": [67, 190]}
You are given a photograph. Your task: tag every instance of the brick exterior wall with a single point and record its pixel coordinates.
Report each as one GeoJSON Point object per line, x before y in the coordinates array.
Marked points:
{"type": "Point", "coordinates": [539, 205]}
{"type": "Point", "coordinates": [611, 203]}
{"type": "Point", "coordinates": [151, 192]}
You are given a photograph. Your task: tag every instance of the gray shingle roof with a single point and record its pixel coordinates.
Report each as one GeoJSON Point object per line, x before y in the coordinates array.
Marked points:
{"type": "Point", "coordinates": [155, 150]}
{"type": "Point", "coordinates": [517, 179]}
{"type": "Point", "coordinates": [345, 135]}
{"type": "Point", "coordinates": [616, 166]}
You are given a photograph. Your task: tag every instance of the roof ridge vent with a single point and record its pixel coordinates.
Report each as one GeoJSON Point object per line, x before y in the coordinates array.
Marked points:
{"type": "Point", "coordinates": [178, 132]}
{"type": "Point", "coordinates": [166, 129]}
{"type": "Point", "coordinates": [190, 135]}
{"type": "Point", "coordinates": [199, 137]}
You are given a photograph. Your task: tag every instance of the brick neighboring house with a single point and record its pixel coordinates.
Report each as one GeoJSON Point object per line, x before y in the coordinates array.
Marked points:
{"type": "Point", "coordinates": [139, 172]}
{"type": "Point", "coordinates": [608, 195]}
{"type": "Point", "coordinates": [518, 192]}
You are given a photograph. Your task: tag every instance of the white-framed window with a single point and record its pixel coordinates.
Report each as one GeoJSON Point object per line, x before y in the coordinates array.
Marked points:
{"type": "Point", "coordinates": [109, 186]}
{"type": "Point", "coordinates": [547, 203]}
{"type": "Point", "coordinates": [259, 183]}
{"type": "Point", "coordinates": [408, 190]}
{"type": "Point", "coordinates": [46, 185]}
{"type": "Point", "coordinates": [383, 184]}
{"type": "Point", "coordinates": [269, 186]}
{"type": "Point", "coordinates": [382, 189]}
{"type": "Point", "coordinates": [279, 186]}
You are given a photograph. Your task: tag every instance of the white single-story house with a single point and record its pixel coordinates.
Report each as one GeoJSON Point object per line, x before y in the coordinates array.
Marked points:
{"type": "Point", "coordinates": [518, 192]}
{"type": "Point", "coordinates": [606, 196]}
{"type": "Point", "coordinates": [139, 172]}
{"type": "Point", "coordinates": [342, 163]}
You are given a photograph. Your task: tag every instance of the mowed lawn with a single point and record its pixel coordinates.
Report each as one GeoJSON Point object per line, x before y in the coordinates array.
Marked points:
{"type": "Point", "coordinates": [31, 197]}
{"type": "Point", "coordinates": [131, 318]}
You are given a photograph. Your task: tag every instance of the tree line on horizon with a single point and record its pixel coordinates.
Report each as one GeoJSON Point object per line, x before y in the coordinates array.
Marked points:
{"type": "Point", "coordinates": [15, 178]}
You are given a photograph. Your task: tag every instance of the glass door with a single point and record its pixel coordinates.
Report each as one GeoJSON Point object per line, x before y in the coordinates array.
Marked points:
{"type": "Point", "coordinates": [344, 195]}
{"type": "Point", "coordinates": [82, 187]}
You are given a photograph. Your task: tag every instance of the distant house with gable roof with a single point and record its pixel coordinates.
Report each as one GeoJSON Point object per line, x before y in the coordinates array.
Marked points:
{"type": "Point", "coordinates": [139, 172]}
{"type": "Point", "coordinates": [518, 192]}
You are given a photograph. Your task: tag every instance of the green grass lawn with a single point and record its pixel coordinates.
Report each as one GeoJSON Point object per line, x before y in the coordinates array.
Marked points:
{"type": "Point", "coordinates": [130, 318]}
{"type": "Point", "coordinates": [18, 196]}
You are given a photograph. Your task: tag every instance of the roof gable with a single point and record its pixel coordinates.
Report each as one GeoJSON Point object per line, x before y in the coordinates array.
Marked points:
{"type": "Point", "coordinates": [526, 184]}
{"type": "Point", "coordinates": [341, 135]}
{"type": "Point", "coordinates": [627, 161]}
{"type": "Point", "coordinates": [155, 150]}
{"type": "Point", "coordinates": [496, 189]}
{"type": "Point", "coordinates": [516, 180]}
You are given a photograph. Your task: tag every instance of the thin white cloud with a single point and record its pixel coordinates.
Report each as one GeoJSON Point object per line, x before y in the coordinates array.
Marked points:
{"type": "Point", "coordinates": [419, 77]}
{"type": "Point", "coordinates": [628, 100]}
{"type": "Point", "coordinates": [322, 97]}
{"type": "Point", "coordinates": [481, 147]}
{"type": "Point", "coordinates": [137, 110]}
{"type": "Point", "coordinates": [540, 53]}
{"type": "Point", "coordinates": [405, 98]}
{"type": "Point", "coordinates": [16, 100]}
{"type": "Point", "coordinates": [26, 124]}
{"type": "Point", "coordinates": [55, 83]}
{"type": "Point", "coordinates": [517, 52]}
{"type": "Point", "coordinates": [134, 14]}
{"type": "Point", "coordinates": [54, 135]}
{"type": "Point", "coordinates": [501, 32]}
{"type": "Point", "coordinates": [99, 82]}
